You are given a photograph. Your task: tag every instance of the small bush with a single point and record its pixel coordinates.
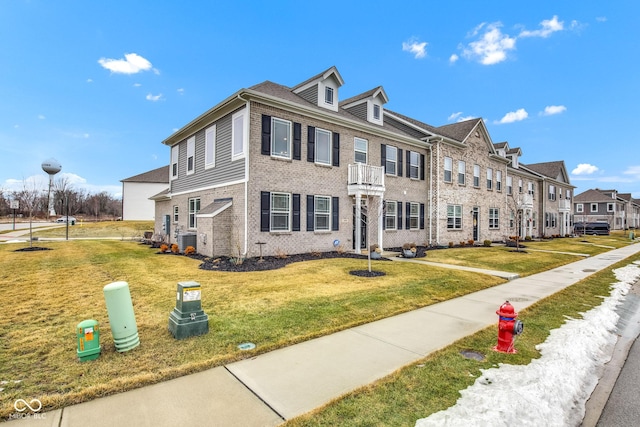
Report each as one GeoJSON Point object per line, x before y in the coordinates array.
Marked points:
{"type": "Point", "coordinates": [174, 248]}
{"type": "Point", "coordinates": [486, 243]}
{"type": "Point", "coordinates": [462, 244]}
{"type": "Point", "coordinates": [189, 250]}
{"type": "Point", "coordinates": [164, 247]}
{"type": "Point", "coordinates": [375, 248]}
{"type": "Point", "coordinates": [280, 254]}
{"type": "Point", "coordinates": [450, 244]}
{"type": "Point", "coordinates": [527, 238]}
{"type": "Point", "coordinates": [409, 246]}
{"type": "Point", "coordinates": [340, 249]}
{"type": "Point", "coordinates": [316, 253]}
{"type": "Point", "coordinates": [470, 242]}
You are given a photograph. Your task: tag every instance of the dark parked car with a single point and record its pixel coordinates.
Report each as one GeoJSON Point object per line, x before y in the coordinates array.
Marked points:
{"type": "Point", "coordinates": [591, 228]}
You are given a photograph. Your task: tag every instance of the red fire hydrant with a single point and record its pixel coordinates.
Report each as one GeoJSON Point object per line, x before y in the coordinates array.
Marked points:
{"type": "Point", "coordinates": [508, 328]}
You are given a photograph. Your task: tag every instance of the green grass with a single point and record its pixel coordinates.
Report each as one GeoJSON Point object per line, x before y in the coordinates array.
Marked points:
{"type": "Point", "coordinates": [122, 229]}
{"type": "Point", "coordinates": [434, 383]}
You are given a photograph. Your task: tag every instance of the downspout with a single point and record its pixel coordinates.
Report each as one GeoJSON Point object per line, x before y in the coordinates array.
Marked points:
{"type": "Point", "coordinates": [438, 194]}
{"type": "Point", "coordinates": [430, 195]}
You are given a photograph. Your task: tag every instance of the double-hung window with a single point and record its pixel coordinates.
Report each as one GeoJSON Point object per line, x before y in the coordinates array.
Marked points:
{"type": "Point", "coordinates": [494, 215]}
{"type": "Point", "coordinates": [489, 179]}
{"type": "Point", "coordinates": [594, 207]}
{"type": "Point", "coordinates": [322, 213]}
{"type": "Point", "coordinates": [175, 150]}
{"type": "Point", "coordinates": [280, 138]}
{"type": "Point", "coordinates": [194, 208]}
{"type": "Point", "coordinates": [552, 192]}
{"type": "Point", "coordinates": [531, 189]}
{"type": "Point", "coordinates": [448, 166]}
{"type": "Point", "coordinates": [476, 176]}
{"type": "Point", "coordinates": [610, 207]}
{"type": "Point", "coordinates": [210, 147]}
{"type": "Point", "coordinates": [499, 180]}
{"type": "Point", "coordinates": [462, 172]}
{"type": "Point", "coordinates": [323, 147]}
{"type": "Point", "coordinates": [509, 185]}
{"type": "Point", "coordinates": [175, 213]}
{"type": "Point", "coordinates": [280, 212]}
{"type": "Point", "coordinates": [579, 207]}
{"type": "Point", "coordinates": [391, 160]}
{"type": "Point", "coordinates": [414, 216]}
{"type": "Point", "coordinates": [376, 112]}
{"type": "Point", "coordinates": [328, 95]}
{"type": "Point", "coordinates": [414, 165]}
{"type": "Point", "coordinates": [361, 149]}
{"type": "Point", "coordinates": [191, 154]}
{"type": "Point", "coordinates": [238, 134]}
{"type": "Point", "coordinates": [454, 217]}
{"type": "Point", "coordinates": [391, 215]}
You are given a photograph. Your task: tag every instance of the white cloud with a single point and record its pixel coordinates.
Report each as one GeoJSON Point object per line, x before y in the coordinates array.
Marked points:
{"type": "Point", "coordinates": [181, 91]}
{"type": "Point", "coordinates": [453, 58]}
{"type": "Point", "coordinates": [492, 47]}
{"type": "Point", "coordinates": [550, 110]}
{"type": "Point", "coordinates": [131, 64]}
{"type": "Point", "coordinates": [585, 169]}
{"type": "Point", "coordinates": [417, 49]}
{"type": "Point", "coordinates": [454, 116]}
{"type": "Point", "coordinates": [514, 116]}
{"type": "Point", "coordinates": [137, 84]}
{"type": "Point", "coordinates": [634, 171]}
{"type": "Point", "coordinates": [41, 117]}
{"type": "Point", "coordinates": [601, 19]}
{"type": "Point", "coordinates": [89, 80]}
{"type": "Point", "coordinates": [549, 26]}
{"type": "Point", "coordinates": [154, 98]}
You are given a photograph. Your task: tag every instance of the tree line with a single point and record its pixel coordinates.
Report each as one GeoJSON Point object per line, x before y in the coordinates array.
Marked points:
{"type": "Point", "coordinates": [34, 201]}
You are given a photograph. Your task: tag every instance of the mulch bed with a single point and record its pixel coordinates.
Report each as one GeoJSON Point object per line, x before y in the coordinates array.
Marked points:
{"type": "Point", "coordinates": [270, 262]}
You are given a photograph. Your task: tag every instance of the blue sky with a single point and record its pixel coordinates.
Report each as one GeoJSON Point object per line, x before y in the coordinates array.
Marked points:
{"type": "Point", "coordinates": [99, 85]}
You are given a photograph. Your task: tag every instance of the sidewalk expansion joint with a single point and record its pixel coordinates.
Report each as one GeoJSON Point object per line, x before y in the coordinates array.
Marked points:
{"type": "Point", "coordinates": [255, 394]}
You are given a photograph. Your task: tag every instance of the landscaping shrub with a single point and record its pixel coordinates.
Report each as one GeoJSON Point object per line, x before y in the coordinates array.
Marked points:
{"type": "Point", "coordinates": [174, 248]}
{"type": "Point", "coordinates": [164, 247]}
{"type": "Point", "coordinates": [189, 250]}
{"type": "Point", "coordinates": [450, 244]}
{"type": "Point", "coordinates": [486, 243]}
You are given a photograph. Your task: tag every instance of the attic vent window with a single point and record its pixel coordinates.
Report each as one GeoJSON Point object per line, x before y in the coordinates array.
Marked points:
{"type": "Point", "coordinates": [376, 112]}
{"type": "Point", "coordinates": [328, 95]}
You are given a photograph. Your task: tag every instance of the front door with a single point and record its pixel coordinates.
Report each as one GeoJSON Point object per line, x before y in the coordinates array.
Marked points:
{"type": "Point", "coordinates": [363, 227]}
{"type": "Point", "coordinates": [476, 234]}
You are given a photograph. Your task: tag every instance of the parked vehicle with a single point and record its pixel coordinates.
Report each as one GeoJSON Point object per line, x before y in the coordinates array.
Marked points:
{"type": "Point", "coordinates": [591, 228]}
{"type": "Point", "coordinates": [71, 220]}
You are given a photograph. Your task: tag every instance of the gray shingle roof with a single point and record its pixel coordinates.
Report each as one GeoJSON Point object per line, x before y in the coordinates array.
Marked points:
{"type": "Point", "coordinates": [458, 131]}
{"type": "Point", "coordinates": [592, 196]}
{"type": "Point", "coordinates": [160, 175]}
{"type": "Point", "coordinates": [548, 169]}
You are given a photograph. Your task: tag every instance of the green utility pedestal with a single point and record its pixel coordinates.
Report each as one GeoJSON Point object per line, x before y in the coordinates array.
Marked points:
{"type": "Point", "coordinates": [188, 319]}
{"type": "Point", "coordinates": [88, 336]}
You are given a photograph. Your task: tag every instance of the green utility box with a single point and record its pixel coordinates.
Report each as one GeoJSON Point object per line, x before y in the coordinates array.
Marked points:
{"type": "Point", "coordinates": [121, 317]}
{"type": "Point", "coordinates": [187, 319]}
{"type": "Point", "coordinates": [88, 336]}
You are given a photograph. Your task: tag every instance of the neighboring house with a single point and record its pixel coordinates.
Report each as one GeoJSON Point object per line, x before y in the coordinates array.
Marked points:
{"type": "Point", "coordinates": [137, 190]}
{"type": "Point", "coordinates": [631, 209]}
{"type": "Point", "coordinates": [297, 169]}
{"type": "Point", "coordinates": [597, 205]}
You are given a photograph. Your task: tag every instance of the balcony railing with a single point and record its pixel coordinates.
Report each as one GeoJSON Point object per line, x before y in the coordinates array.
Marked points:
{"type": "Point", "coordinates": [564, 205]}
{"type": "Point", "coordinates": [525, 201]}
{"type": "Point", "coordinates": [361, 174]}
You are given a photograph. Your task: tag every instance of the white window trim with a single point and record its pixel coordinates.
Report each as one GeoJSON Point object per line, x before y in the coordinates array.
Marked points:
{"type": "Point", "coordinates": [370, 112]}
{"type": "Point", "coordinates": [329, 90]}
{"type": "Point", "coordinates": [355, 149]}
{"type": "Point", "coordinates": [245, 132]}
{"type": "Point", "coordinates": [176, 212]}
{"type": "Point", "coordinates": [210, 147]}
{"type": "Point", "coordinates": [395, 162]}
{"type": "Point", "coordinates": [326, 214]}
{"type": "Point", "coordinates": [462, 174]}
{"type": "Point", "coordinates": [494, 218]}
{"type": "Point", "coordinates": [490, 179]}
{"type": "Point", "coordinates": [454, 216]}
{"type": "Point", "coordinates": [394, 215]}
{"type": "Point", "coordinates": [579, 208]}
{"type": "Point", "coordinates": [289, 138]}
{"type": "Point", "coordinates": [193, 213]}
{"type": "Point", "coordinates": [476, 176]}
{"type": "Point", "coordinates": [414, 216]}
{"type": "Point", "coordinates": [611, 207]}
{"type": "Point", "coordinates": [329, 146]}
{"type": "Point", "coordinates": [289, 212]}
{"type": "Point", "coordinates": [509, 185]}
{"type": "Point", "coordinates": [191, 154]}
{"type": "Point", "coordinates": [499, 181]}
{"type": "Point", "coordinates": [414, 155]}
{"type": "Point", "coordinates": [446, 169]}
{"type": "Point", "coordinates": [175, 157]}
{"type": "Point", "coordinates": [594, 205]}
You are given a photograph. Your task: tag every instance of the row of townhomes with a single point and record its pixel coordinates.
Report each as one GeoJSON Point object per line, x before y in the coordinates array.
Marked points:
{"type": "Point", "coordinates": [287, 170]}
{"type": "Point", "coordinates": [620, 210]}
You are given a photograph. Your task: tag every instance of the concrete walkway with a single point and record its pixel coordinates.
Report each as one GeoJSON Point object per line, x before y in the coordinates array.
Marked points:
{"type": "Point", "coordinates": [270, 388]}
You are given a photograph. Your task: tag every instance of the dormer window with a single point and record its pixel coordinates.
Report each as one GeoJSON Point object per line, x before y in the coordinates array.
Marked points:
{"type": "Point", "coordinates": [328, 95]}
{"type": "Point", "coordinates": [376, 112]}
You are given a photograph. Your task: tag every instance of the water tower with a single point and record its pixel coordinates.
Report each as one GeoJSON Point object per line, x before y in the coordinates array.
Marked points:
{"type": "Point", "coordinates": [52, 167]}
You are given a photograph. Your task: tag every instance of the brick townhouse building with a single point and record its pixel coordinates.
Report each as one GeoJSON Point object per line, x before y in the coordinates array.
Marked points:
{"type": "Point", "coordinates": [287, 170]}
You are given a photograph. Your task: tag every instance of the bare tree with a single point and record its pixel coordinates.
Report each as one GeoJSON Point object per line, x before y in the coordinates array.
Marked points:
{"type": "Point", "coordinates": [30, 197]}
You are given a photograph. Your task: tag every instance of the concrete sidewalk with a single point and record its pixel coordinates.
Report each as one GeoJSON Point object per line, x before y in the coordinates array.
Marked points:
{"type": "Point", "coordinates": [270, 388]}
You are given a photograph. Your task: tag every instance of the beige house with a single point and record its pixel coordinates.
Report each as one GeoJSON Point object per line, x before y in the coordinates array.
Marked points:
{"type": "Point", "coordinates": [297, 169]}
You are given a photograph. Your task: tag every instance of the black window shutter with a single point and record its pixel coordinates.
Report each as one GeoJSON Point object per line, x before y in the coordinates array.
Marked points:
{"type": "Point", "coordinates": [296, 213]}
{"type": "Point", "coordinates": [266, 135]}
{"type": "Point", "coordinates": [400, 162]}
{"type": "Point", "coordinates": [421, 216]}
{"type": "Point", "coordinates": [311, 143]}
{"type": "Point", "coordinates": [310, 213]}
{"type": "Point", "coordinates": [422, 167]}
{"type": "Point", "coordinates": [336, 149]}
{"type": "Point", "coordinates": [265, 210]}
{"type": "Point", "coordinates": [297, 141]}
{"type": "Point", "coordinates": [335, 213]}
{"type": "Point", "coordinates": [383, 157]}
{"type": "Point", "coordinates": [408, 216]}
{"type": "Point", "coordinates": [399, 212]}
{"type": "Point", "coordinates": [408, 171]}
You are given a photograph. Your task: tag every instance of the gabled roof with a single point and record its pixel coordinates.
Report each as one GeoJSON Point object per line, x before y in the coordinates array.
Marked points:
{"type": "Point", "coordinates": [159, 176]}
{"type": "Point", "coordinates": [554, 170]}
{"type": "Point", "coordinates": [499, 145]}
{"type": "Point", "coordinates": [163, 195]}
{"type": "Point", "coordinates": [460, 131]}
{"type": "Point", "coordinates": [373, 93]}
{"type": "Point", "coordinates": [594, 196]}
{"type": "Point", "coordinates": [319, 77]}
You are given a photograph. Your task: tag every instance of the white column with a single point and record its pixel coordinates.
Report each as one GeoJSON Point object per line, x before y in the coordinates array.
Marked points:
{"type": "Point", "coordinates": [357, 223]}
